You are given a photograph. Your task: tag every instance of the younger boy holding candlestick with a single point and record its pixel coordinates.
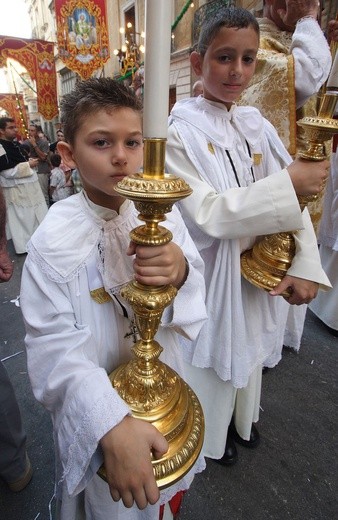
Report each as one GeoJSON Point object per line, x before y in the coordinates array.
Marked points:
{"type": "Point", "coordinates": [231, 156]}
{"type": "Point", "coordinates": [78, 327]}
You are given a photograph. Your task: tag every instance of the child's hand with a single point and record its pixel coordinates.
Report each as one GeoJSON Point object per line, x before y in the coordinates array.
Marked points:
{"type": "Point", "coordinates": [308, 177]}
{"type": "Point", "coordinates": [127, 461]}
{"type": "Point", "coordinates": [159, 265]}
{"type": "Point", "coordinates": [301, 291]}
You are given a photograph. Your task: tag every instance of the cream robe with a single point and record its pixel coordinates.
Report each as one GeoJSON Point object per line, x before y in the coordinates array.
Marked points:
{"type": "Point", "coordinates": [26, 206]}
{"type": "Point", "coordinates": [73, 341]}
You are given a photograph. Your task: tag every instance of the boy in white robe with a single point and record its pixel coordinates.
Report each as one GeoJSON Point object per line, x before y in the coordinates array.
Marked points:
{"type": "Point", "coordinates": [78, 329]}
{"type": "Point", "coordinates": [232, 158]}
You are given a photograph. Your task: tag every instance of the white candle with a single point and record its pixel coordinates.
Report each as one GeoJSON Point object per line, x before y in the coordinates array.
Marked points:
{"type": "Point", "coordinates": [332, 81]}
{"type": "Point", "coordinates": [157, 68]}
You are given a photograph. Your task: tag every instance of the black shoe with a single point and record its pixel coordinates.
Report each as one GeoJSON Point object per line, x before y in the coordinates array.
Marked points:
{"type": "Point", "coordinates": [230, 456]}
{"type": "Point", "coordinates": [254, 440]}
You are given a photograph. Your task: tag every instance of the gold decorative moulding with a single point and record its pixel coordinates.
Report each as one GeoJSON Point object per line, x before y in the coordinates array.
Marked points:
{"type": "Point", "coordinates": [153, 391]}
{"type": "Point", "coordinates": [266, 264]}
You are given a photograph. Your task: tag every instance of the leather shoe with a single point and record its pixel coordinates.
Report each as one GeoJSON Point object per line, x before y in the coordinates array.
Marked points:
{"type": "Point", "coordinates": [254, 440]}
{"type": "Point", "coordinates": [230, 456]}
{"type": "Point", "coordinates": [24, 479]}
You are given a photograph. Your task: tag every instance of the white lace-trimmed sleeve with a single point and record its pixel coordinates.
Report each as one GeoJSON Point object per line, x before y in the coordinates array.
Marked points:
{"type": "Point", "coordinates": [312, 58]}
{"type": "Point", "coordinates": [66, 377]}
{"type": "Point", "coordinates": [267, 206]}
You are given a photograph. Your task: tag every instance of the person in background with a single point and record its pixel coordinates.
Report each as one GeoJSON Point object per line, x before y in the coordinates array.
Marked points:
{"type": "Point", "coordinates": [78, 328]}
{"type": "Point", "coordinates": [60, 187]}
{"type": "Point", "coordinates": [26, 207]}
{"type": "Point", "coordinates": [39, 149]}
{"type": "Point", "coordinates": [294, 61]}
{"type": "Point", "coordinates": [245, 185]}
{"type": "Point", "coordinates": [15, 466]}
{"type": "Point", "coordinates": [76, 181]}
{"type": "Point", "coordinates": [59, 137]}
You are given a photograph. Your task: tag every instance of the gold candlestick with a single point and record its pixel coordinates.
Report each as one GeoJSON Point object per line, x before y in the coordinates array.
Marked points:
{"type": "Point", "coordinates": [266, 264]}
{"type": "Point", "coordinates": [154, 391]}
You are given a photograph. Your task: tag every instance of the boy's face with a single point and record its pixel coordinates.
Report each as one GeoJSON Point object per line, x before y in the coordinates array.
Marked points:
{"type": "Point", "coordinates": [108, 146]}
{"type": "Point", "coordinates": [228, 64]}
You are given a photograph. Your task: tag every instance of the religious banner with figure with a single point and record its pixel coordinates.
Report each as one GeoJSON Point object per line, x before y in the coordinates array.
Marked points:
{"type": "Point", "coordinates": [82, 35]}
{"type": "Point", "coordinates": [15, 108]}
{"type": "Point", "coordinates": [37, 56]}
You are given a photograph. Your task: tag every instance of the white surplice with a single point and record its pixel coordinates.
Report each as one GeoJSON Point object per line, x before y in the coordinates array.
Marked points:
{"type": "Point", "coordinates": [73, 341]}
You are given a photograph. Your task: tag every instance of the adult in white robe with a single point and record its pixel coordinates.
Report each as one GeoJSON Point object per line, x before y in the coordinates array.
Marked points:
{"type": "Point", "coordinates": [73, 341]}
{"type": "Point", "coordinates": [225, 214]}
{"type": "Point", "coordinates": [25, 204]}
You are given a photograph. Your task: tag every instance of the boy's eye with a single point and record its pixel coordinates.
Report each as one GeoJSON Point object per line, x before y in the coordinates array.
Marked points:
{"type": "Point", "coordinates": [248, 59]}
{"type": "Point", "coordinates": [101, 143]}
{"type": "Point", "coordinates": [224, 58]}
{"type": "Point", "coordinates": [133, 143]}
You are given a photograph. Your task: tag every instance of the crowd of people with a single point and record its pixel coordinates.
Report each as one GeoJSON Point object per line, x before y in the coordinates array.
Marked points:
{"type": "Point", "coordinates": [32, 177]}
{"type": "Point", "coordinates": [246, 180]}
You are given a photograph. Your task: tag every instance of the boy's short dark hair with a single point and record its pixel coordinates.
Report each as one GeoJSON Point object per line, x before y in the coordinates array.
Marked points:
{"type": "Point", "coordinates": [225, 17]}
{"type": "Point", "coordinates": [55, 159]}
{"type": "Point", "coordinates": [90, 96]}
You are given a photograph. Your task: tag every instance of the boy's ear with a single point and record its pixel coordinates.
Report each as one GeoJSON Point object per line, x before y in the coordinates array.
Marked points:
{"type": "Point", "coordinates": [196, 63]}
{"type": "Point", "coordinates": [65, 150]}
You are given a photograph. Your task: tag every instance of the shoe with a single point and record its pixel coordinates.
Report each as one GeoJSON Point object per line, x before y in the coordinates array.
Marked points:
{"type": "Point", "coordinates": [24, 480]}
{"type": "Point", "coordinates": [252, 443]}
{"type": "Point", "coordinates": [230, 456]}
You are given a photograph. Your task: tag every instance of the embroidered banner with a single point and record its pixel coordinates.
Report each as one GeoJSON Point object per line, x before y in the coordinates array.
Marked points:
{"type": "Point", "coordinates": [37, 56]}
{"type": "Point", "coordinates": [14, 106]}
{"type": "Point", "coordinates": [82, 35]}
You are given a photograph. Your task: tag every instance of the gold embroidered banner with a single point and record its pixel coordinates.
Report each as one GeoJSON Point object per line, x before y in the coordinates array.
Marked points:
{"type": "Point", "coordinates": [14, 106]}
{"type": "Point", "coordinates": [37, 56]}
{"type": "Point", "coordinates": [82, 35]}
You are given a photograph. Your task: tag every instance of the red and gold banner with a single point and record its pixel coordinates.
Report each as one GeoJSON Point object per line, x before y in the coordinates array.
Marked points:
{"type": "Point", "coordinates": [37, 56]}
{"type": "Point", "coordinates": [14, 106]}
{"type": "Point", "coordinates": [82, 35]}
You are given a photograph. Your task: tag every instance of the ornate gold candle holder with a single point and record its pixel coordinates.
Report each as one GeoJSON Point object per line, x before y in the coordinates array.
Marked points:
{"type": "Point", "coordinates": [154, 391]}
{"type": "Point", "coordinates": [268, 261]}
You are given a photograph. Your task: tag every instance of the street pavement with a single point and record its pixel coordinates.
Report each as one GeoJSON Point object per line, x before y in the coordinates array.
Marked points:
{"type": "Point", "coordinates": [292, 475]}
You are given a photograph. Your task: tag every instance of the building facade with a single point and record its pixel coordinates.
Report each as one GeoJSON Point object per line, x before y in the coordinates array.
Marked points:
{"type": "Point", "coordinates": [126, 22]}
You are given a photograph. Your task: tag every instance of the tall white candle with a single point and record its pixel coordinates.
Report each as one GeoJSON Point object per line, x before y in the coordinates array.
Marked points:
{"type": "Point", "coordinates": [157, 68]}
